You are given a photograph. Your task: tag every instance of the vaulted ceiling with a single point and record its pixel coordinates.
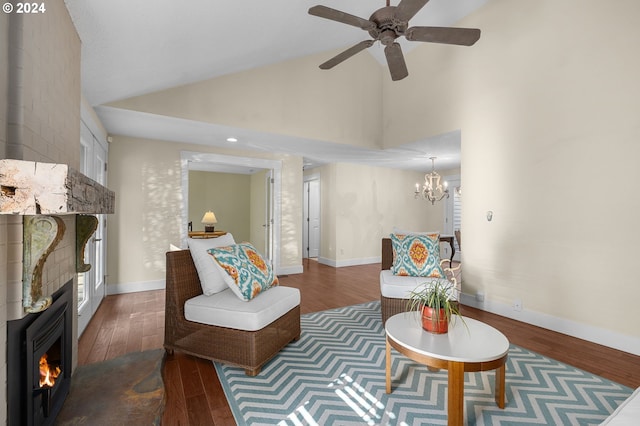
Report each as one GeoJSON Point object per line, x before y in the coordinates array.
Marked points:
{"type": "Point", "coordinates": [131, 48]}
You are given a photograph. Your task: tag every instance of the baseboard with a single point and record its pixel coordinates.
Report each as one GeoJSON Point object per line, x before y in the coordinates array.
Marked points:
{"type": "Point", "coordinates": [348, 262]}
{"type": "Point", "coordinates": [135, 287]}
{"type": "Point", "coordinates": [326, 261]}
{"type": "Point", "coordinates": [593, 334]}
{"type": "Point", "coordinates": [289, 270]}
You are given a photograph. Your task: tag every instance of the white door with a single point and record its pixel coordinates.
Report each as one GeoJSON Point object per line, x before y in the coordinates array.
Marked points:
{"type": "Point", "coordinates": [311, 220]}
{"type": "Point", "coordinates": [91, 285]}
{"type": "Point", "coordinates": [99, 237]}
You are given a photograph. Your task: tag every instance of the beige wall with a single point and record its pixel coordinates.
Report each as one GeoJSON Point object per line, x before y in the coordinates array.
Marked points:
{"type": "Point", "coordinates": [548, 111]}
{"type": "Point", "coordinates": [148, 211]}
{"type": "Point", "coordinates": [293, 98]}
{"type": "Point", "coordinates": [39, 121]}
{"type": "Point", "coordinates": [227, 195]}
{"type": "Point", "coordinates": [361, 204]}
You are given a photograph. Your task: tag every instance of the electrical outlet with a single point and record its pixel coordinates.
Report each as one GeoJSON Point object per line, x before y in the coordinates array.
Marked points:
{"type": "Point", "coordinates": [480, 297]}
{"type": "Point", "coordinates": [517, 305]}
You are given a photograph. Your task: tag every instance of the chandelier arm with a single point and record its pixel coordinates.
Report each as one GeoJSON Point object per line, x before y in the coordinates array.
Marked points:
{"type": "Point", "coordinates": [432, 190]}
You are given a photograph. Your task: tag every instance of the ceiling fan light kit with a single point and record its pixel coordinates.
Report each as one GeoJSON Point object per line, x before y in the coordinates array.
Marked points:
{"type": "Point", "coordinates": [386, 25]}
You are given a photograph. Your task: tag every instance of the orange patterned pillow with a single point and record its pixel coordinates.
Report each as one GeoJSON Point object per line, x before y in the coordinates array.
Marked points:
{"type": "Point", "coordinates": [247, 274]}
{"type": "Point", "coordinates": [416, 255]}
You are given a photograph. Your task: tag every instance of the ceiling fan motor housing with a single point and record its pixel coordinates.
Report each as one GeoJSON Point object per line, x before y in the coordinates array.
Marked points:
{"type": "Point", "coordinates": [388, 26]}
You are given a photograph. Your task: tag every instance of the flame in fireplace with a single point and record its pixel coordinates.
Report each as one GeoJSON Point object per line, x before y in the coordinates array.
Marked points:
{"type": "Point", "coordinates": [48, 372]}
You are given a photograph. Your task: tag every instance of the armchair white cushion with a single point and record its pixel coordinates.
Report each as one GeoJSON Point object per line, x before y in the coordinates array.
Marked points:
{"type": "Point", "coordinates": [225, 309]}
{"type": "Point", "coordinates": [627, 414]}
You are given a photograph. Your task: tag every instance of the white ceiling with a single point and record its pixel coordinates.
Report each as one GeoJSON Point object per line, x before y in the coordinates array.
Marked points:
{"type": "Point", "coordinates": [130, 48]}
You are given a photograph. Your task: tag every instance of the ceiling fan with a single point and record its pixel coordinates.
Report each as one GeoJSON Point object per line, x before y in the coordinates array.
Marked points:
{"type": "Point", "coordinates": [389, 23]}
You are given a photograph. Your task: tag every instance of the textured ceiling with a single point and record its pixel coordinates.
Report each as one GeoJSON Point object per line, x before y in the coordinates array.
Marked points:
{"type": "Point", "coordinates": [130, 48]}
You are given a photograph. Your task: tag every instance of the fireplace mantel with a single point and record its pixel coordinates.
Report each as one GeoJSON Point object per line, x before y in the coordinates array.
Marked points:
{"type": "Point", "coordinates": [40, 192]}
{"type": "Point", "coordinates": [30, 188]}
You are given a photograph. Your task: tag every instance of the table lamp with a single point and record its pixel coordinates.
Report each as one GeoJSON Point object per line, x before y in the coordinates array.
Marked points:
{"type": "Point", "coordinates": [209, 220]}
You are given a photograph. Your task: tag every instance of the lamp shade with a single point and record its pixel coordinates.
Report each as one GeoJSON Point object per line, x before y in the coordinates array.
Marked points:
{"type": "Point", "coordinates": [209, 218]}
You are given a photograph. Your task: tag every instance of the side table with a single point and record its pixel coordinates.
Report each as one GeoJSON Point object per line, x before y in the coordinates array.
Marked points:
{"type": "Point", "coordinates": [468, 346]}
{"type": "Point", "coordinates": [202, 234]}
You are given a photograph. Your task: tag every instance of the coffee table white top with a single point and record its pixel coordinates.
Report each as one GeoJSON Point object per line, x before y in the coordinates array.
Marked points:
{"type": "Point", "coordinates": [475, 342]}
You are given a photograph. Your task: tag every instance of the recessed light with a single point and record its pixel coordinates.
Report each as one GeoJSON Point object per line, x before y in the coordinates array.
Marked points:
{"type": "Point", "coordinates": [232, 140]}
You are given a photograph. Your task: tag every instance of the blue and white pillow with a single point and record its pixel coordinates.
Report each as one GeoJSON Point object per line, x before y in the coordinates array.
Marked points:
{"type": "Point", "coordinates": [247, 274]}
{"type": "Point", "coordinates": [416, 255]}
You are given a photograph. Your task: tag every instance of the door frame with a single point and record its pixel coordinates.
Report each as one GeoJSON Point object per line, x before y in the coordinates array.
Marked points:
{"type": "Point", "coordinates": [191, 159]}
{"type": "Point", "coordinates": [95, 288]}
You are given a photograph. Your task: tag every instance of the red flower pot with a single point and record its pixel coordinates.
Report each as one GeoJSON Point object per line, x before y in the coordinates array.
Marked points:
{"type": "Point", "coordinates": [433, 325]}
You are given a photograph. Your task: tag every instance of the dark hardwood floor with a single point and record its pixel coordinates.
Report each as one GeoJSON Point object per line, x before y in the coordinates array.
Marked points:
{"type": "Point", "coordinates": [135, 322]}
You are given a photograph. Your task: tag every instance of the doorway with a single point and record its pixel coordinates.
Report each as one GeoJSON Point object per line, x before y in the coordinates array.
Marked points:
{"type": "Point", "coordinates": [311, 217]}
{"type": "Point", "coordinates": [91, 284]}
{"type": "Point", "coordinates": [241, 203]}
{"type": "Point", "coordinates": [267, 171]}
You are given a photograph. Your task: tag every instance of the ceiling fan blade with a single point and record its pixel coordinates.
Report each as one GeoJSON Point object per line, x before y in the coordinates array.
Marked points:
{"type": "Point", "coordinates": [395, 61]}
{"type": "Point", "coordinates": [346, 54]}
{"type": "Point", "coordinates": [459, 36]}
{"type": "Point", "coordinates": [345, 18]}
{"type": "Point", "coordinates": [407, 9]}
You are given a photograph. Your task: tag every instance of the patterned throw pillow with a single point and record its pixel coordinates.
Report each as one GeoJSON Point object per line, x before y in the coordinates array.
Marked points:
{"type": "Point", "coordinates": [416, 255]}
{"type": "Point", "coordinates": [247, 273]}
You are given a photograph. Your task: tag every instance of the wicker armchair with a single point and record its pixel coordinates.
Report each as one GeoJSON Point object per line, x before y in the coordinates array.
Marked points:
{"type": "Point", "coordinates": [247, 349]}
{"type": "Point", "coordinates": [391, 306]}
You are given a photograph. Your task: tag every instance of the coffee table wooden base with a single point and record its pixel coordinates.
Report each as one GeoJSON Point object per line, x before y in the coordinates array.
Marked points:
{"type": "Point", "coordinates": [456, 372]}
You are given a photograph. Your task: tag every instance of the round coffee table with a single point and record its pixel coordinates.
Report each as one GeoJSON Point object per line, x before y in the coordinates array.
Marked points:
{"type": "Point", "coordinates": [475, 346]}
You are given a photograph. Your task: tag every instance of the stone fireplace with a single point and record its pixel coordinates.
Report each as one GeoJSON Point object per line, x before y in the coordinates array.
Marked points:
{"type": "Point", "coordinates": [40, 121]}
{"type": "Point", "coordinates": [40, 340]}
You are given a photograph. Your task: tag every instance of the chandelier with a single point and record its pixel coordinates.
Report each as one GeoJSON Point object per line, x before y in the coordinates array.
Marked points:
{"type": "Point", "coordinates": [432, 190]}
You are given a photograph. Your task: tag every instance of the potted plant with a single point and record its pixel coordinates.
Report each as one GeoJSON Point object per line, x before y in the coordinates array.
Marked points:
{"type": "Point", "coordinates": [433, 300]}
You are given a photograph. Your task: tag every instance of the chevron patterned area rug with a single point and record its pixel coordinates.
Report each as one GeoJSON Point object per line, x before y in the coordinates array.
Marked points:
{"type": "Point", "coordinates": [335, 375]}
